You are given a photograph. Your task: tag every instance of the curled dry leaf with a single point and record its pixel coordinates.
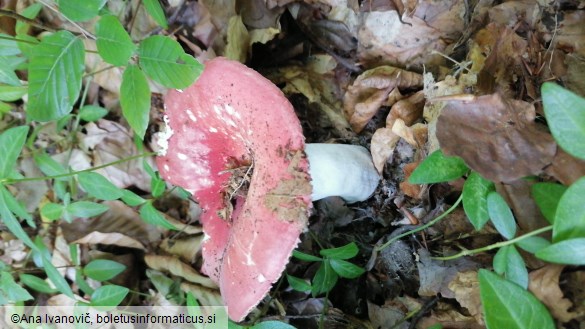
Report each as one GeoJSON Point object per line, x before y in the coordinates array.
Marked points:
{"type": "Point", "coordinates": [412, 190]}
{"type": "Point", "coordinates": [114, 239]}
{"type": "Point", "coordinates": [544, 284]}
{"type": "Point", "coordinates": [186, 248]}
{"type": "Point", "coordinates": [370, 91]}
{"type": "Point", "coordinates": [382, 146]}
{"type": "Point", "coordinates": [565, 168]}
{"type": "Point", "coordinates": [506, 143]}
{"type": "Point", "coordinates": [176, 267]}
{"type": "Point", "coordinates": [465, 286]}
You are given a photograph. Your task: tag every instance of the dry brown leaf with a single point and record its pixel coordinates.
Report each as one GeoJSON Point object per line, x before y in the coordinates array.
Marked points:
{"type": "Point", "coordinates": [449, 317]}
{"type": "Point", "coordinates": [370, 91]}
{"type": "Point", "coordinates": [436, 276]}
{"type": "Point", "coordinates": [496, 137]}
{"type": "Point", "coordinates": [382, 146]}
{"type": "Point", "coordinates": [544, 284]}
{"type": "Point", "coordinates": [565, 168]}
{"type": "Point", "coordinates": [206, 296]}
{"type": "Point", "coordinates": [567, 32]}
{"type": "Point", "coordinates": [466, 289]}
{"type": "Point", "coordinates": [114, 239]}
{"type": "Point", "coordinates": [186, 249]}
{"type": "Point", "coordinates": [386, 316]}
{"type": "Point", "coordinates": [412, 190]}
{"type": "Point", "coordinates": [409, 109]}
{"type": "Point", "coordinates": [174, 266]}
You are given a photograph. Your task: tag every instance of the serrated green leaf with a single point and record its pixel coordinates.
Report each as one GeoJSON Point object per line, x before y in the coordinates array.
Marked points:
{"type": "Point", "coordinates": [36, 283]}
{"type": "Point", "coordinates": [49, 166]}
{"type": "Point", "coordinates": [52, 211]}
{"type": "Point", "coordinates": [8, 46]}
{"type": "Point", "coordinates": [155, 10]}
{"type": "Point", "coordinates": [533, 244]}
{"type": "Point", "coordinates": [507, 305]}
{"type": "Point", "coordinates": [475, 191]}
{"type": "Point", "coordinates": [348, 251]}
{"type": "Point", "coordinates": [298, 284]}
{"type": "Point", "coordinates": [272, 325]}
{"type": "Point", "coordinates": [11, 143]}
{"type": "Point", "coordinates": [98, 186]}
{"type": "Point", "coordinates": [565, 115]}
{"type": "Point", "coordinates": [501, 215]}
{"type": "Point", "coordinates": [103, 269]}
{"type": "Point", "coordinates": [92, 113]}
{"type": "Point", "coordinates": [130, 198]}
{"type": "Point", "coordinates": [570, 215]}
{"type": "Point", "coordinates": [86, 209]}
{"type": "Point", "coordinates": [7, 74]}
{"type": "Point", "coordinates": [571, 252]}
{"type": "Point", "coordinates": [11, 222]}
{"type": "Point", "coordinates": [12, 290]}
{"type": "Point", "coordinates": [80, 11]}
{"type": "Point", "coordinates": [135, 99]}
{"type": "Point", "coordinates": [55, 72]}
{"type": "Point", "coordinates": [113, 42]}
{"type": "Point", "coordinates": [110, 295]}
{"type": "Point", "coordinates": [438, 168]}
{"type": "Point", "coordinates": [306, 257]}
{"type": "Point", "coordinates": [164, 61]}
{"type": "Point", "coordinates": [325, 279]}
{"type": "Point", "coordinates": [152, 216]}
{"type": "Point", "coordinates": [547, 197]}
{"type": "Point", "coordinates": [346, 269]}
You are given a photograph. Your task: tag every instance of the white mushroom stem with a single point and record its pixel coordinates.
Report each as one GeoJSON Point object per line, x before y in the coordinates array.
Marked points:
{"type": "Point", "coordinates": [341, 170]}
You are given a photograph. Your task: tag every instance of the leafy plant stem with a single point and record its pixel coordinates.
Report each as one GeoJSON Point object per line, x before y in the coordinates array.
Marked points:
{"type": "Point", "coordinates": [30, 179]}
{"type": "Point", "coordinates": [495, 245]}
{"type": "Point", "coordinates": [83, 31]}
{"type": "Point", "coordinates": [21, 18]}
{"type": "Point", "coordinates": [431, 223]}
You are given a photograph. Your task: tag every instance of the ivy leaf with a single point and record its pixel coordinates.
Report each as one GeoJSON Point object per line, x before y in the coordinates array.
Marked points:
{"type": "Point", "coordinates": [135, 99]}
{"type": "Point", "coordinates": [155, 10]}
{"type": "Point", "coordinates": [55, 72]}
{"type": "Point", "coordinates": [565, 115]}
{"type": "Point", "coordinates": [80, 11]}
{"type": "Point", "coordinates": [570, 215]}
{"type": "Point", "coordinates": [501, 215]}
{"type": "Point", "coordinates": [11, 143]}
{"type": "Point", "coordinates": [547, 197]}
{"type": "Point", "coordinates": [507, 305]}
{"type": "Point", "coordinates": [98, 186]}
{"type": "Point", "coordinates": [110, 295]}
{"type": "Point", "coordinates": [571, 251]}
{"type": "Point", "coordinates": [348, 251]}
{"type": "Point", "coordinates": [103, 269]}
{"type": "Point", "coordinates": [438, 168]}
{"type": "Point", "coordinates": [475, 191]}
{"type": "Point", "coordinates": [165, 62]}
{"type": "Point", "coordinates": [113, 42]}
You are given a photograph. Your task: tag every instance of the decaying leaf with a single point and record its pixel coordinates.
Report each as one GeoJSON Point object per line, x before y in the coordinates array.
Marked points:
{"type": "Point", "coordinates": [382, 147]}
{"type": "Point", "coordinates": [186, 248]}
{"type": "Point", "coordinates": [496, 137]}
{"type": "Point", "coordinates": [436, 276]}
{"type": "Point", "coordinates": [544, 284]}
{"type": "Point", "coordinates": [174, 266]}
{"type": "Point", "coordinates": [370, 91]}
{"type": "Point", "coordinates": [205, 296]}
{"type": "Point", "coordinates": [114, 239]}
{"type": "Point", "coordinates": [565, 168]}
{"type": "Point", "coordinates": [465, 286]}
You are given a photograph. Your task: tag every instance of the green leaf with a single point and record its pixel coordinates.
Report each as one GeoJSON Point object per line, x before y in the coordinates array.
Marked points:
{"type": "Point", "coordinates": [157, 186]}
{"type": "Point", "coordinates": [86, 209]}
{"type": "Point", "coordinates": [533, 244]}
{"type": "Point", "coordinates": [113, 42]}
{"type": "Point", "coordinates": [152, 216]}
{"type": "Point", "coordinates": [306, 257]}
{"type": "Point", "coordinates": [565, 115]}
{"type": "Point", "coordinates": [49, 166]}
{"type": "Point", "coordinates": [36, 283]}
{"type": "Point", "coordinates": [110, 295]}
{"type": "Point", "coordinates": [98, 186]}
{"type": "Point", "coordinates": [56, 277]}
{"type": "Point", "coordinates": [164, 61]}
{"type": "Point", "coordinates": [130, 198]}
{"type": "Point", "coordinates": [501, 215]}
{"type": "Point", "coordinates": [11, 222]}
{"type": "Point", "coordinates": [80, 11]}
{"type": "Point", "coordinates": [348, 251]}
{"type": "Point", "coordinates": [325, 279]}
{"type": "Point", "coordinates": [516, 268]}
{"type": "Point", "coordinates": [507, 305]}
{"type": "Point", "coordinates": [16, 207]}
{"type": "Point", "coordinates": [12, 290]}
{"type": "Point", "coordinates": [500, 260]}
{"type": "Point", "coordinates": [298, 284]}
{"type": "Point", "coordinates": [475, 191]}
{"type": "Point", "coordinates": [7, 74]}
{"type": "Point", "coordinates": [55, 72]}
{"type": "Point", "coordinates": [135, 99]}
{"type": "Point", "coordinates": [27, 45]}
{"type": "Point", "coordinates": [570, 215]}
{"type": "Point", "coordinates": [103, 269]}
{"type": "Point", "coordinates": [547, 197]}
{"type": "Point", "coordinates": [82, 284]}
{"type": "Point", "coordinates": [11, 143]}
{"type": "Point", "coordinates": [30, 12]}
{"type": "Point", "coordinates": [92, 113]}
{"type": "Point", "coordinates": [52, 211]}
{"type": "Point", "coordinates": [272, 325]}
{"type": "Point", "coordinates": [571, 251]}
{"type": "Point", "coordinates": [155, 10]}
{"type": "Point", "coordinates": [12, 93]}
{"type": "Point", "coordinates": [346, 269]}
{"type": "Point", "coordinates": [438, 168]}
{"type": "Point", "coordinates": [8, 46]}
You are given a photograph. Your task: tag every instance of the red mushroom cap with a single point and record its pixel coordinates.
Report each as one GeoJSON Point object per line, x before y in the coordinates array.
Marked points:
{"type": "Point", "coordinates": [231, 118]}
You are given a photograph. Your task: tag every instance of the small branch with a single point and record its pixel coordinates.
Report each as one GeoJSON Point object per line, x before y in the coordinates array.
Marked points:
{"type": "Point", "coordinates": [21, 18]}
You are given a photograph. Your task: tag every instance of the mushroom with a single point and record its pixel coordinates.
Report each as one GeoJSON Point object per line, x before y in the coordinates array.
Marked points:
{"type": "Point", "coordinates": [233, 140]}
